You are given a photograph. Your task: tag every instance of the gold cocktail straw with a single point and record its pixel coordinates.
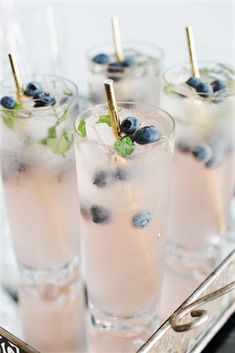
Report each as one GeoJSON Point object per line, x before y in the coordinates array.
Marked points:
{"type": "Point", "coordinates": [108, 84]}
{"type": "Point", "coordinates": [17, 78]}
{"type": "Point", "coordinates": [192, 52]}
{"type": "Point", "coordinates": [117, 39]}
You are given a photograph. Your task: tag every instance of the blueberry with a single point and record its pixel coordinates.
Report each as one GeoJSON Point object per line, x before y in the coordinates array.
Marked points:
{"type": "Point", "coordinates": [202, 152]}
{"type": "Point", "coordinates": [147, 134]}
{"type": "Point", "coordinates": [141, 219]}
{"type": "Point", "coordinates": [183, 147]}
{"type": "Point", "coordinates": [115, 68]}
{"type": "Point", "coordinates": [204, 89]}
{"type": "Point", "coordinates": [193, 82]}
{"type": "Point", "coordinates": [214, 162]}
{"type": "Point", "coordinates": [114, 71]}
{"type": "Point", "coordinates": [101, 59]}
{"type": "Point", "coordinates": [128, 62]}
{"type": "Point", "coordinates": [218, 85]}
{"type": "Point", "coordinates": [8, 102]}
{"type": "Point", "coordinates": [100, 214]}
{"type": "Point", "coordinates": [43, 99]}
{"type": "Point", "coordinates": [122, 174]}
{"type": "Point", "coordinates": [102, 179]}
{"type": "Point", "coordinates": [33, 88]}
{"type": "Point", "coordinates": [130, 125]}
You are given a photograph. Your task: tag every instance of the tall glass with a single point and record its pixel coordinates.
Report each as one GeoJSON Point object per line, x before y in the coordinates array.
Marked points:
{"type": "Point", "coordinates": [39, 184]}
{"type": "Point", "coordinates": [136, 79]}
{"type": "Point", "coordinates": [202, 169]}
{"type": "Point", "coordinates": [124, 206]}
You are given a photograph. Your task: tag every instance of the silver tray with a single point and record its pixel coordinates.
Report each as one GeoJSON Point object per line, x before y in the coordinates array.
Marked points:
{"type": "Point", "coordinates": [189, 328]}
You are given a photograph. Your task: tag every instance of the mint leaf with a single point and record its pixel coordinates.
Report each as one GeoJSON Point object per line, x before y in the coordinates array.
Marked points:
{"type": "Point", "coordinates": [82, 128]}
{"type": "Point", "coordinates": [10, 115]}
{"type": "Point", "coordinates": [51, 134]}
{"type": "Point", "coordinates": [62, 117]}
{"type": "Point", "coordinates": [9, 122]}
{"type": "Point", "coordinates": [60, 144]}
{"type": "Point", "coordinates": [18, 106]}
{"type": "Point", "coordinates": [105, 119]}
{"type": "Point", "coordinates": [167, 89]}
{"type": "Point", "coordinates": [124, 146]}
{"type": "Point", "coordinates": [68, 93]}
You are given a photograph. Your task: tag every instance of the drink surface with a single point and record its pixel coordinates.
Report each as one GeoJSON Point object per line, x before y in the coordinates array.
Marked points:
{"type": "Point", "coordinates": [202, 167]}
{"type": "Point", "coordinates": [38, 174]}
{"type": "Point", "coordinates": [123, 212]}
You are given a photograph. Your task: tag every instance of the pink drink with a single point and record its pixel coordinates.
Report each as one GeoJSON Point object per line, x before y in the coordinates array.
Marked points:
{"type": "Point", "coordinates": [202, 168]}
{"type": "Point", "coordinates": [123, 260]}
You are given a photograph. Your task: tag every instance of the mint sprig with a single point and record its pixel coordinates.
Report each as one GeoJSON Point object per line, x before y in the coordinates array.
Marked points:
{"type": "Point", "coordinates": [82, 128]}
{"type": "Point", "coordinates": [59, 144]}
{"type": "Point", "coordinates": [105, 119]}
{"type": "Point", "coordinates": [10, 115]}
{"type": "Point", "coordinates": [124, 146]}
{"type": "Point", "coordinates": [68, 93]}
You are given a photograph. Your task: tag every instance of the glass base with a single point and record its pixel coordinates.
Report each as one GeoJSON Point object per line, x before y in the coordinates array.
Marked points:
{"type": "Point", "coordinates": [50, 283]}
{"type": "Point", "coordinates": [198, 264]}
{"type": "Point", "coordinates": [145, 323]}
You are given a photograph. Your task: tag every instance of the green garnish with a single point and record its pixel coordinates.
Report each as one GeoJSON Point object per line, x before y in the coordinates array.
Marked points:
{"type": "Point", "coordinates": [68, 93]}
{"type": "Point", "coordinates": [82, 128]}
{"type": "Point", "coordinates": [124, 146]}
{"type": "Point", "coordinates": [10, 115]}
{"type": "Point", "coordinates": [59, 144]}
{"type": "Point", "coordinates": [105, 119]}
{"type": "Point", "coordinates": [167, 89]}
{"type": "Point", "coordinates": [62, 117]}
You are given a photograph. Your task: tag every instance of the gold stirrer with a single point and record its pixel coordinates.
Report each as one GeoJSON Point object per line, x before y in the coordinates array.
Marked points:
{"type": "Point", "coordinates": [108, 84]}
{"type": "Point", "coordinates": [192, 51]}
{"type": "Point", "coordinates": [117, 39]}
{"type": "Point", "coordinates": [213, 178]}
{"type": "Point", "coordinates": [17, 78]}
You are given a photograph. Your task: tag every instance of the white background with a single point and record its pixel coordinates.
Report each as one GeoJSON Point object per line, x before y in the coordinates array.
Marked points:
{"type": "Point", "coordinates": [65, 29]}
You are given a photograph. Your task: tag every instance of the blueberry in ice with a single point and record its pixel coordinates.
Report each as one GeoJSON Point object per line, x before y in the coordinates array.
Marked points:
{"type": "Point", "coordinates": [214, 161]}
{"type": "Point", "coordinates": [43, 99]}
{"type": "Point", "coordinates": [218, 85]}
{"type": "Point", "coordinates": [100, 214]}
{"type": "Point", "coordinates": [184, 146]}
{"type": "Point", "coordinates": [129, 125]}
{"type": "Point", "coordinates": [147, 134]}
{"type": "Point", "coordinates": [193, 82]}
{"type": "Point", "coordinates": [141, 219]}
{"type": "Point", "coordinates": [202, 152]}
{"type": "Point", "coordinates": [101, 59]}
{"type": "Point", "coordinates": [102, 178]}
{"type": "Point", "coordinates": [8, 102]}
{"type": "Point", "coordinates": [122, 174]}
{"type": "Point", "coordinates": [204, 89]}
{"type": "Point", "coordinates": [114, 70]}
{"type": "Point", "coordinates": [33, 88]}
{"type": "Point", "coordinates": [128, 62]}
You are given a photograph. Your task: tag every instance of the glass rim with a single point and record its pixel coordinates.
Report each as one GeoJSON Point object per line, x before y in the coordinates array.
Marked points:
{"type": "Point", "coordinates": [140, 42]}
{"type": "Point", "coordinates": [191, 92]}
{"type": "Point", "coordinates": [105, 105]}
{"type": "Point", "coordinates": [43, 109]}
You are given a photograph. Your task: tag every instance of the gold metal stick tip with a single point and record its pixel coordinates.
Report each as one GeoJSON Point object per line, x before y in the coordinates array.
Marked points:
{"type": "Point", "coordinates": [117, 39]}
{"type": "Point", "coordinates": [17, 78]}
{"type": "Point", "coordinates": [108, 84]}
{"type": "Point", "coordinates": [192, 51]}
